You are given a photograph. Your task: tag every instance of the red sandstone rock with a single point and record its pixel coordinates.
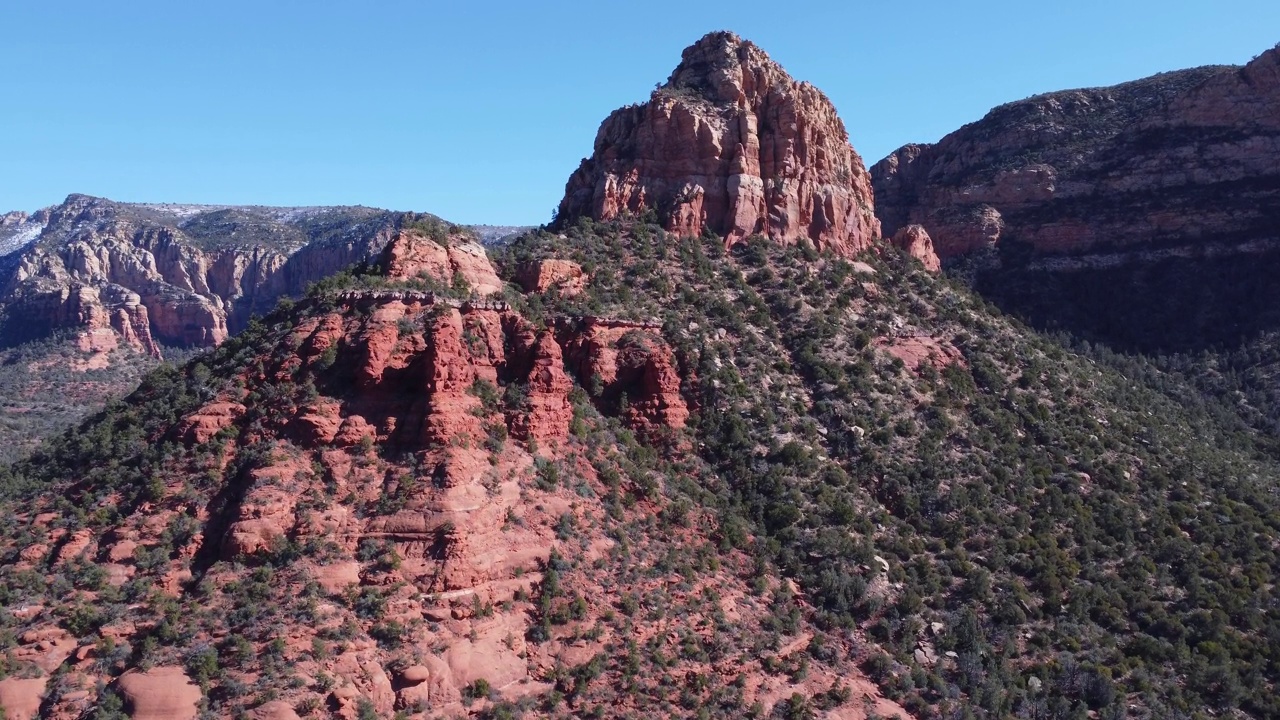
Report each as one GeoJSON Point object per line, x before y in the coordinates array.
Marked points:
{"type": "Point", "coordinates": [1188, 158]}
{"type": "Point", "coordinates": [75, 545]}
{"type": "Point", "coordinates": [20, 697]}
{"type": "Point", "coordinates": [539, 276]}
{"type": "Point", "coordinates": [108, 316]}
{"type": "Point", "coordinates": [338, 576]}
{"type": "Point", "coordinates": [734, 145]}
{"type": "Point", "coordinates": [209, 420]}
{"type": "Point", "coordinates": [410, 254]}
{"type": "Point", "coordinates": [657, 402]}
{"type": "Point", "coordinates": [915, 241]}
{"type": "Point", "coordinates": [319, 423]}
{"type": "Point", "coordinates": [274, 710]}
{"type": "Point", "coordinates": [549, 413]}
{"type": "Point", "coordinates": [431, 683]}
{"type": "Point", "coordinates": [450, 375]}
{"type": "Point", "coordinates": [620, 358]}
{"type": "Point", "coordinates": [161, 693]}
{"type": "Point", "coordinates": [917, 350]}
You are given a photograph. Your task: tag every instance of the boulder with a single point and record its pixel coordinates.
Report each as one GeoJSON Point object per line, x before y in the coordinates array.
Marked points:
{"type": "Point", "coordinates": [161, 693]}
{"type": "Point", "coordinates": [20, 697]}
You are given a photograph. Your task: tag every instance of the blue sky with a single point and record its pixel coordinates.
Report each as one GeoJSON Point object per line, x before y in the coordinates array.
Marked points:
{"type": "Point", "coordinates": [479, 111]}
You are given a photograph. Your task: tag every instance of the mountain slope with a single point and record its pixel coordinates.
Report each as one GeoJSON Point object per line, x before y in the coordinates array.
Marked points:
{"type": "Point", "coordinates": [393, 497]}
{"type": "Point", "coordinates": [981, 520]}
{"type": "Point", "coordinates": [1097, 527]}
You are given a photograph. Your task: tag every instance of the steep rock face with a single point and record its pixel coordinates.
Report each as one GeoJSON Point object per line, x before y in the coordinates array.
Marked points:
{"type": "Point", "coordinates": [450, 260]}
{"type": "Point", "coordinates": [1188, 158]}
{"type": "Point", "coordinates": [548, 411]}
{"type": "Point", "coordinates": [1142, 215]}
{"type": "Point", "coordinates": [627, 365]}
{"type": "Point", "coordinates": [914, 240]}
{"type": "Point", "coordinates": [199, 272]}
{"type": "Point", "coordinates": [731, 144]}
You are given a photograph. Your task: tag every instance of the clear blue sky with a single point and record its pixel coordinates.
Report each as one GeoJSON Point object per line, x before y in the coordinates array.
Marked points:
{"type": "Point", "coordinates": [479, 111]}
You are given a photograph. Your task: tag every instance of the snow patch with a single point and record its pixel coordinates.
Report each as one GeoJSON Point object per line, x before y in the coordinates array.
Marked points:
{"type": "Point", "coordinates": [24, 234]}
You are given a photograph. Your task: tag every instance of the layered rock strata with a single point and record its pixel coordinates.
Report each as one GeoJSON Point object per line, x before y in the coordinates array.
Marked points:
{"type": "Point", "coordinates": [731, 144]}
{"type": "Point", "coordinates": [1180, 159]}
{"type": "Point", "coordinates": [177, 275]}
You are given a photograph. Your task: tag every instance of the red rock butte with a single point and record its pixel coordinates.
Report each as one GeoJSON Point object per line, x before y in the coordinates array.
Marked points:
{"type": "Point", "coordinates": [731, 144]}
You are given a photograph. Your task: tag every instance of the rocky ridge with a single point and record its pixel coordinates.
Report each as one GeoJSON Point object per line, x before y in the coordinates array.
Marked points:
{"type": "Point", "coordinates": [1187, 158]}
{"type": "Point", "coordinates": [179, 275]}
{"type": "Point", "coordinates": [1142, 215]}
{"type": "Point", "coordinates": [731, 144]}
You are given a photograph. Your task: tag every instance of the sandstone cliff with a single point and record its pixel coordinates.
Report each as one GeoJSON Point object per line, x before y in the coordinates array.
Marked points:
{"type": "Point", "coordinates": [178, 275]}
{"type": "Point", "coordinates": [1143, 215]}
{"type": "Point", "coordinates": [733, 145]}
{"type": "Point", "coordinates": [1186, 158]}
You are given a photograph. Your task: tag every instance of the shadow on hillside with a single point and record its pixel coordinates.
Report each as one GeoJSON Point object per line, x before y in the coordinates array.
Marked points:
{"type": "Point", "coordinates": [1174, 305]}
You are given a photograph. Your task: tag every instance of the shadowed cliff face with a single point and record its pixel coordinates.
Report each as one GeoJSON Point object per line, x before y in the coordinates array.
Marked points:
{"type": "Point", "coordinates": [1159, 186]}
{"type": "Point", "coordinates": [731, 145]}
{"type": "Point", "coordinates": [185, 276]}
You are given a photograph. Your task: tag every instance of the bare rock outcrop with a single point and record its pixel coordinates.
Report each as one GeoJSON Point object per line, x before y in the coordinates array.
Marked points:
{"type": "Point", "coordinates": [547, 409]}
{"type": "Point", "coordinates": [178, 275]}
{"type": "Point", "coordinates": [161, 693]}
{"type": "Point", "coordinates": [452, 260]}
{"type": "Point", "coordinates": [539, 276]}
{"type": "Point", "coordinates": [20, 697]}
{"type": "Point", "coordinates": [627, 365]}
{"type": "Point", "coordinates": [733, 145]}
{"type": "Point", "coordinates": [914, 240]}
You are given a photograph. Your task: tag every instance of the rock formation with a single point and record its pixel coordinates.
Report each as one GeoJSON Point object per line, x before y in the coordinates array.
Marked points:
{"type": "Point", "coordinates": [731, 144]}
{"type": "Point", "coordinates": [619, 359]}
{"type": "Point", "coordinates": [1142, 215]}
{"type": "Point", "coordinates": [1181, 158]}
{"type": "Point", "coordinates": [161, 693]}
{"type": "Point", "coordinates": [539, 276]}
{"type": "Point", "coordinates": [21, 697]}
{"type": "Point", "coordinates": [178, 275]}
{"type": "Point", "coordinates": [914, 240]}
{"type": "Point", "coordinates": [455, 259]}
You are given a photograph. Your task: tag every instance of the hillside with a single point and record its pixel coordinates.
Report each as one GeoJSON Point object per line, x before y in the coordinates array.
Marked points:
{"type": "Point", "coordinates": [1072, 518]}
{"type": "Point", "coordinates": [978, 518]}
{"type": "Point", "coordinates": [391, 496]}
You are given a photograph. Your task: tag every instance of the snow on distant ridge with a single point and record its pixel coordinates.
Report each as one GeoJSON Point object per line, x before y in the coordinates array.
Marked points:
{"type": "Point", "coordinates": [23, 234]}
{"type": "Point", "coordinates": [180, 210]}
{"type": "Point", "coordinates": [187, 211]}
